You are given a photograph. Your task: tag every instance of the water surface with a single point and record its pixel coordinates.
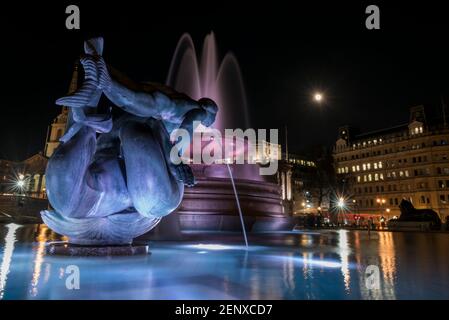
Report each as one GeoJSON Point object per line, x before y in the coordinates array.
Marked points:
{"type": "Point", "coordinates": [292, 265]}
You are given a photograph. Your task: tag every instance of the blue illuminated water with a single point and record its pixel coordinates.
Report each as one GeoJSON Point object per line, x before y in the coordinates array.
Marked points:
{"type": "Point", "coordinates": [292, 265]}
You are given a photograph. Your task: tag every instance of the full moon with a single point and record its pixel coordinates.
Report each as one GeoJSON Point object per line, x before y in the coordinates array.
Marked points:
{"type": "Point", "coordinates": [318, 97]}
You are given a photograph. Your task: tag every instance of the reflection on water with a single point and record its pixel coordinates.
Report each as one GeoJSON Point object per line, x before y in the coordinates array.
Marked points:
{"type": "Point", "coordinates": [387, 263]}
{"type": "Point", "coordinates": [344, 257]}
{"type": "Point", "coordinates": [296, 265]}
{"type": "Point", "coordinates": [39, 258]}
{"type": "Point", "coordinates": [8, 250]}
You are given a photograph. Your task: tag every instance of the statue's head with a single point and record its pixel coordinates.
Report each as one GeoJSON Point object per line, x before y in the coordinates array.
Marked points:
{"type": "Point", "coordinates": [211, 111]}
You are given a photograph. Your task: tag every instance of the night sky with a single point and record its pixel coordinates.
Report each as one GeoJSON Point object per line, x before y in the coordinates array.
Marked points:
{"type": "Point", "coordinates": [285, 50]}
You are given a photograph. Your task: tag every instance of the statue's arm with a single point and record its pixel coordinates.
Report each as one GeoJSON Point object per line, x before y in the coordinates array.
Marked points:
{"type": "Point", "coordinates": [144, 100]}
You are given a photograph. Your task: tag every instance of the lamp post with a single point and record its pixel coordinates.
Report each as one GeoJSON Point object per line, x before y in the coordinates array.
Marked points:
{"type": "Point", "coordinates": [381, 202]}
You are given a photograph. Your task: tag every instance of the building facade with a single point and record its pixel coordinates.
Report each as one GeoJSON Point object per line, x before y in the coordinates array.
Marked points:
{"type": "Point", "coordinates": [410, 161]}
{"type": "Point", "coordinates": [304, 189]}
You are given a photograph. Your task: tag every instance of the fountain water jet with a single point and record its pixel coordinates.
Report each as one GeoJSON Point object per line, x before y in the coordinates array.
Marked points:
{"type": "Point", "coordinates": [221, 82]}
{"type": "Point", "coordinates": [238, 205]}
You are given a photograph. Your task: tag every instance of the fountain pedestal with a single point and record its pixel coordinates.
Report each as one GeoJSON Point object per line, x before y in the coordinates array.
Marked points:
{"type": "Point", "coordinates": [211, 206]}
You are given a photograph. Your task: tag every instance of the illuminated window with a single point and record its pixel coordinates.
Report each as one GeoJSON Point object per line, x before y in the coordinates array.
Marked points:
{"type": "Point", "coordinates": [358, 168]}
{"type": "Point", "coordinates": [376, 177]}
{"type": "Point", "coordinates": [375, 165]}
{"type": "Point", "coordinates": [368, 166]}
{"type": "Point", "coordinates": [381, 176]}
{"type": "Point", "coordinates": [358, 179]}
{"type": "Point", "coordinates": [370, 178]}
{"type": "Point", "coordinates": [364, 178]}
{"type": "Point", "coordinates": [380, 164]}
{"type": "Point", "coordinates": [353, 168]}
{"type": "Point", "coordinates": [364, 167]}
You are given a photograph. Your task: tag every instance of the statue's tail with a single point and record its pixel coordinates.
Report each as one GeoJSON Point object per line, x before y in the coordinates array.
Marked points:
{"type": "Point", "coordinates": [88, 95]}
{"type": "Point", "coordinates": [94, 46]}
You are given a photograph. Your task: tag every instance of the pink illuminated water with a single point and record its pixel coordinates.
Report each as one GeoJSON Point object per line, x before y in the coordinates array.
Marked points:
{"type": "Point", "coordinates": [207, 76]}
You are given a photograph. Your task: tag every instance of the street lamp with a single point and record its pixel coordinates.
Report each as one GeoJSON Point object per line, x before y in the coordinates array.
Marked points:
{"type": "Point", "coordinates": [341, 203]}
{"type": "Point", "coordinates": [381, 201]}
{"type": "Point", "coordinates": [20, 183]}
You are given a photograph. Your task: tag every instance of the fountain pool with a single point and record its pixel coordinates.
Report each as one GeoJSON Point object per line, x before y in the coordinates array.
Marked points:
{"type": "Point", "coordinates": [279, 265]}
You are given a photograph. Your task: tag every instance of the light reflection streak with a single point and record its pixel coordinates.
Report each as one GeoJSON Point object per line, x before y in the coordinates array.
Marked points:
{"type": "Point", "coordinates": [211, 246]}
{"type": "Point", "coordinates": [321, 263]}
{"type": "Point", "coordinates": [288, 272]}
{"type": "Point", "coordinates": [387, 263]}
{"type": "Point", "coordinates": [344, 252]}
{"type": "Point", "coordinates": [305, 268]}
{"type": "Point", "coordinates": [39, 258]}
{"type": "Point", "coordinates": [10, 241]}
